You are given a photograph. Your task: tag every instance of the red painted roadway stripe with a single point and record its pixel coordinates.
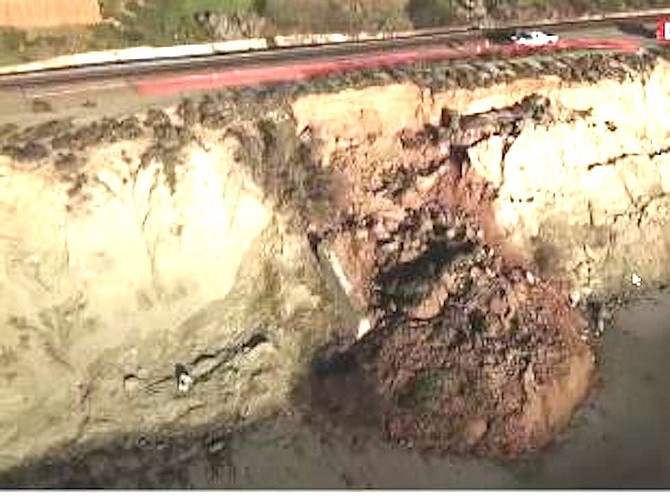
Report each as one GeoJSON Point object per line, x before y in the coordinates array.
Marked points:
{"type": "Point", "coordinates": [225, 78]}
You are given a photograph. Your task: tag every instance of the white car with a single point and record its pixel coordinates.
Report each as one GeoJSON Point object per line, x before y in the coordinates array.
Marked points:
{"type": "Point", "coordinates": [534, 38]}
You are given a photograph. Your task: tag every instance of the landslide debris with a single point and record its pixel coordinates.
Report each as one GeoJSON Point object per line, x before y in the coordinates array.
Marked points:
{"type": "Point", "coordinates": [578, 190]}
{"type": "Point", "coordinates": [469, 351]}
{"type": "Point", "coordinates": [474, 345]}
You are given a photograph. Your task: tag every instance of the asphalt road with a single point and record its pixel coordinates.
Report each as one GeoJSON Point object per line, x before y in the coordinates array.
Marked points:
{"type": "Point", "coordinates": [283, 54]}
{"type": "Point", "coordinates": [108, 89]}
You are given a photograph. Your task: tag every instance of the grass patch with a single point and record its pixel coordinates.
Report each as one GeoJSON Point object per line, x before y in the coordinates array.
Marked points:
{"type": "Point", "coordinates": [425, 391]}
{"type": "Point", "coordinates": [156, 22]}
{"type": "Point", "coordinates": [173, 21]}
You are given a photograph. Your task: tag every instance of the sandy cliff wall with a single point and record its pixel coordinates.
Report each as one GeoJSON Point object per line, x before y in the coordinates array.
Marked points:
{"type": "Point", "coordinates": [118, 264]}
{"type": "Point", "coordinates": [587, 196]}
{"type": "Point", "coordinates": [111, 279]}
{"type": "Point", "coordinates": [584, 195]}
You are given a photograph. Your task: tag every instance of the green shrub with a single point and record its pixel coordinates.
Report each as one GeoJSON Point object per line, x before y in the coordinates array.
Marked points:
{"type": "Point", "coordinates": [173, 21]}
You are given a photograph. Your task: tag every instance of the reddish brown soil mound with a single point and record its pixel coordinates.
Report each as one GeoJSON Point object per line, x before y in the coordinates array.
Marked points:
{"type": "Point", "coordinates": [48, 13]}
{"type": "Point", "coordinates": [469, 350]}
{"type": "Point", "coordinates": [499, 367]}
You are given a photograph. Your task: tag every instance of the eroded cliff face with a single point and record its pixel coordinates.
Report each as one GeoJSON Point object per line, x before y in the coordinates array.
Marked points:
{"type": "Point", "coordinates": [588, 194]}
{"type": "Point", "coordinates": [139, 246]}
{"type": "Point", "coordinates": [121, 264]}
{"type": "Point", "coordinates": [583, 193]}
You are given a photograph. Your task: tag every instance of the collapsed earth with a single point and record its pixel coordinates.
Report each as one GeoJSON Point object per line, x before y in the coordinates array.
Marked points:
{"type": "Point", "coordinates": [426, 256]}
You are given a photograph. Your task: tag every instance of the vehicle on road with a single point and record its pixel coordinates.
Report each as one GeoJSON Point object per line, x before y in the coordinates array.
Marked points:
{"type": "Point", "coordinates": [534, 38]}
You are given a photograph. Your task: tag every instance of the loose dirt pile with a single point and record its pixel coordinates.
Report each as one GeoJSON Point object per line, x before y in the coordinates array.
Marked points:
{"type": "Point", "coordinates": [467, 351]}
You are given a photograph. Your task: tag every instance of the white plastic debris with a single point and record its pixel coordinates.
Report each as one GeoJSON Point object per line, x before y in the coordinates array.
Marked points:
{"type": "Point", "coordinates": [184, 382]}
{"type": "Point", "coordinates": [636, 280]}
{"type": "Point", "coordinates": [575, 298]}
{"type": "Point", "coordinates": [363, 328]}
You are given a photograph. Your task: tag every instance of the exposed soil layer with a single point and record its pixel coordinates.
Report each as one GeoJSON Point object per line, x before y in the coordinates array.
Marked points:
{"type": "Point", "coordinates": [469, 350]}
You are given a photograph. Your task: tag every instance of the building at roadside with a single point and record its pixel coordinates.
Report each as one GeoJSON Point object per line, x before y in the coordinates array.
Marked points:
{"type": "Point", "coordinates": [48, 13]}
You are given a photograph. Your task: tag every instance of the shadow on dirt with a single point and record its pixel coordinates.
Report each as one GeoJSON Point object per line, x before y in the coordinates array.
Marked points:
{"type": "Point", "coordinates": [619, 439]}
{"type": "Point", "coordinates": [135, 460]}
{"type": "Point", "coordinates": [338, 393]}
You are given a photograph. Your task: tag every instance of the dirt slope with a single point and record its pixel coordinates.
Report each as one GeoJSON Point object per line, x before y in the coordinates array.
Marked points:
{"type": "Point", "coordinates": [139, 247]}
{"type": "Point", "coordinates": [609, 190]}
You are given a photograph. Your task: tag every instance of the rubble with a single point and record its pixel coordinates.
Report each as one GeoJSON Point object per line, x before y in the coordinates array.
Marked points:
{"type": "Point", "coordinates": [468, 352]}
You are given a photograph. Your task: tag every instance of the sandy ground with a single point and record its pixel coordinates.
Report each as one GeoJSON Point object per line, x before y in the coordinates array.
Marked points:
{"type": "Point", "coordinates": [620, 438]}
